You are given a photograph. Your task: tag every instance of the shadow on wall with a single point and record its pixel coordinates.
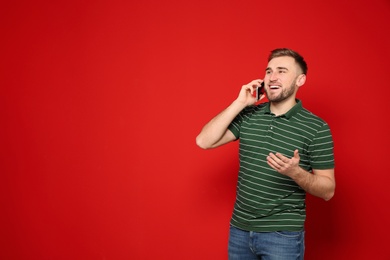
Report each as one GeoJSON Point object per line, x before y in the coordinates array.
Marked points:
{"type": "Point", "coordinates": [322, 233]}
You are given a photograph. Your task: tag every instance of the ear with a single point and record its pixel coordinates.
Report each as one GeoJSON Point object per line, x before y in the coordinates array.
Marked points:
{"type": "Point", "coordinates": [301, 80]}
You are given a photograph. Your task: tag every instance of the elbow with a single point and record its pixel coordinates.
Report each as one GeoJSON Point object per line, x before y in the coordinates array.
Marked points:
{"type": "Point", "coordinates": [329, 195]}
{"type": "Point", "coordinates": [201, 143]}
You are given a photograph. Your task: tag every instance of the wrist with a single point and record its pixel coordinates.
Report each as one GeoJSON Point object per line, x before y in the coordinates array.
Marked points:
{"type": "Point", "coordinates": [238, 104]}
{"type": "Point", "coordinates": [297, 173]}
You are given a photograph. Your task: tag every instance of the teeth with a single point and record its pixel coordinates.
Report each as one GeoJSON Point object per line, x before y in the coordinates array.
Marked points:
{"type": "Point", "coordinates": [274, 87]}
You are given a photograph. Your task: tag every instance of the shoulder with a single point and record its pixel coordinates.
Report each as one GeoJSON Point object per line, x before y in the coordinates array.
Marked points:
{"type": "Point", "coordinates": [262, 107]}
{"type": "Point", "coordinates": [311, 124]}
{"type": "Point", "coordinates": [308, 117]}
{"type": "Point", "coordinates": [255, 109]}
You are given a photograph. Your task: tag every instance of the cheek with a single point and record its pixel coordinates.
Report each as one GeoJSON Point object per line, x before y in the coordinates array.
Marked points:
{"type": "Point", "coordinates": [288, 80]}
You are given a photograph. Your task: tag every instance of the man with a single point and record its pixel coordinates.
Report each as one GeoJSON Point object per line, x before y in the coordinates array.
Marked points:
{"type": "Point", "coordinates": [285, 151]}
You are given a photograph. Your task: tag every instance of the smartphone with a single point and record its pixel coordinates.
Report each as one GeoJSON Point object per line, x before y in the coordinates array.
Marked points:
{"type": "Point", "coordinates": [260, 90]}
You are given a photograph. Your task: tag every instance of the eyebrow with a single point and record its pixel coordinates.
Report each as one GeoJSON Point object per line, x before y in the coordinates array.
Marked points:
{"type": "Point", "coordinates": [279, 68]}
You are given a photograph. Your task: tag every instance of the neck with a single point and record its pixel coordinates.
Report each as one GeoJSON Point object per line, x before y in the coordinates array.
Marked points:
{"type": "Point", "coordinates": [282, 107]}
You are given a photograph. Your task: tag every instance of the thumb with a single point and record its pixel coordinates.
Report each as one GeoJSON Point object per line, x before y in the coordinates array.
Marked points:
{"type": "Point", "coordinates": [296, 154]}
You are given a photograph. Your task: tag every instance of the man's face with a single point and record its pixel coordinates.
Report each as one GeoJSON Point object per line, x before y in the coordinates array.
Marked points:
{"type": "Point", "coordinates": [281, 78]}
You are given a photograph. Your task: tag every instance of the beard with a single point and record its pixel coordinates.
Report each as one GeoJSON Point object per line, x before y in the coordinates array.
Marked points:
{"type": "Point", "coordinates": [285, 94]}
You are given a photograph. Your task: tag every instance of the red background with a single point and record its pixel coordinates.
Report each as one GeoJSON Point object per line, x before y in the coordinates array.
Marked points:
{"type": "Point", "coordinates": [101, 102]}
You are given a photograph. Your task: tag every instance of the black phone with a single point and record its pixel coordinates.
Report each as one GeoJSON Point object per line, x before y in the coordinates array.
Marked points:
{"type": "Point", "coordinates": [260, 90]}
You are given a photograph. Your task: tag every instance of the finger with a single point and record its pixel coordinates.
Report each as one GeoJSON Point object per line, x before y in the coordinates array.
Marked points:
{"type": "Point", "coordinates": [271, 164]}
{"type": "Point", "coordinates": [296, 154]}
{"type": "Point", "coordinates": [277, 167]}
{"type": "Point", "coordinates": [278, 157]}
{"type": "Point", "coordinates": [274, 161]}
{"type": "Point", "coordinates": [249, 88]}
{"type": "Point", "coordinates": [246, 91]}
{"type": "Point", "coordinates": [281, 156]}
{"type": "Point", "coordinates": [255, 83]}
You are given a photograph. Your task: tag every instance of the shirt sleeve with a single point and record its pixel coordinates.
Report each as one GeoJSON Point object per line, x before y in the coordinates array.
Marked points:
{"type": "Point", "coordinates": [235, 125]}
{"type": "Point", "coordinates": [321, 149]}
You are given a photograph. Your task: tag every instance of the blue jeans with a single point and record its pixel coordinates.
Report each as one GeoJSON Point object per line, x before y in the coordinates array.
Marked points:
{"type": "Point", "coordinates": [248, 245]}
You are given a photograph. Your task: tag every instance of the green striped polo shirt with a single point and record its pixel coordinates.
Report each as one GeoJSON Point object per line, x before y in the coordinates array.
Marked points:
{"type": "Point", "coordinates": [267, 200]}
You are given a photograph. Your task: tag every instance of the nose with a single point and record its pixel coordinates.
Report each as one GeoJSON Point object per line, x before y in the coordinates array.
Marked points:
{"type": "Point", "coordinates": [273, 76]}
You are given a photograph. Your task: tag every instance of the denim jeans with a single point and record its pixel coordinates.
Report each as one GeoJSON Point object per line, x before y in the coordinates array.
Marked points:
{"type": "Point", "coordinates": [248, 245]}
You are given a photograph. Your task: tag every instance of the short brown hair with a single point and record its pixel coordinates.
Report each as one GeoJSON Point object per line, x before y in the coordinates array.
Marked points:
{"type": "Point", "coordinates": [290, 53]}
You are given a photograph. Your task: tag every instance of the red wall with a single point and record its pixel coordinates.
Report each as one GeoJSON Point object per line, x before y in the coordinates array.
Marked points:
{"type": "Point", "coordinates": [101, 102]}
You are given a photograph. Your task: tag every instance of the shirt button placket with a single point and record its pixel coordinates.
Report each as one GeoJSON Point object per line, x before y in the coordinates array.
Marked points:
{"type": "Point", "coordinates": [272, 125]}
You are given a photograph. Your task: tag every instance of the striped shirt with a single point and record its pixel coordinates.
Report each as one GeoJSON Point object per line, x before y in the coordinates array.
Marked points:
{"type": "Point", "coordinates": [267, 200]}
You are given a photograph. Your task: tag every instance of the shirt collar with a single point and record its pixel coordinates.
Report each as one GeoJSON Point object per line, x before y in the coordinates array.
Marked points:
{"type": "Point", "coordinates": [293, 111]}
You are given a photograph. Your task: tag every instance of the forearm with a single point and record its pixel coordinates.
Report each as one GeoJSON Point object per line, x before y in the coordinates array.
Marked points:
{"type": "Point", "coordinates": [216, 128]}
{"type": "Point", "coordinates": [215, 132]}
{"type": "Point", "coordinates": [320, 185]}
